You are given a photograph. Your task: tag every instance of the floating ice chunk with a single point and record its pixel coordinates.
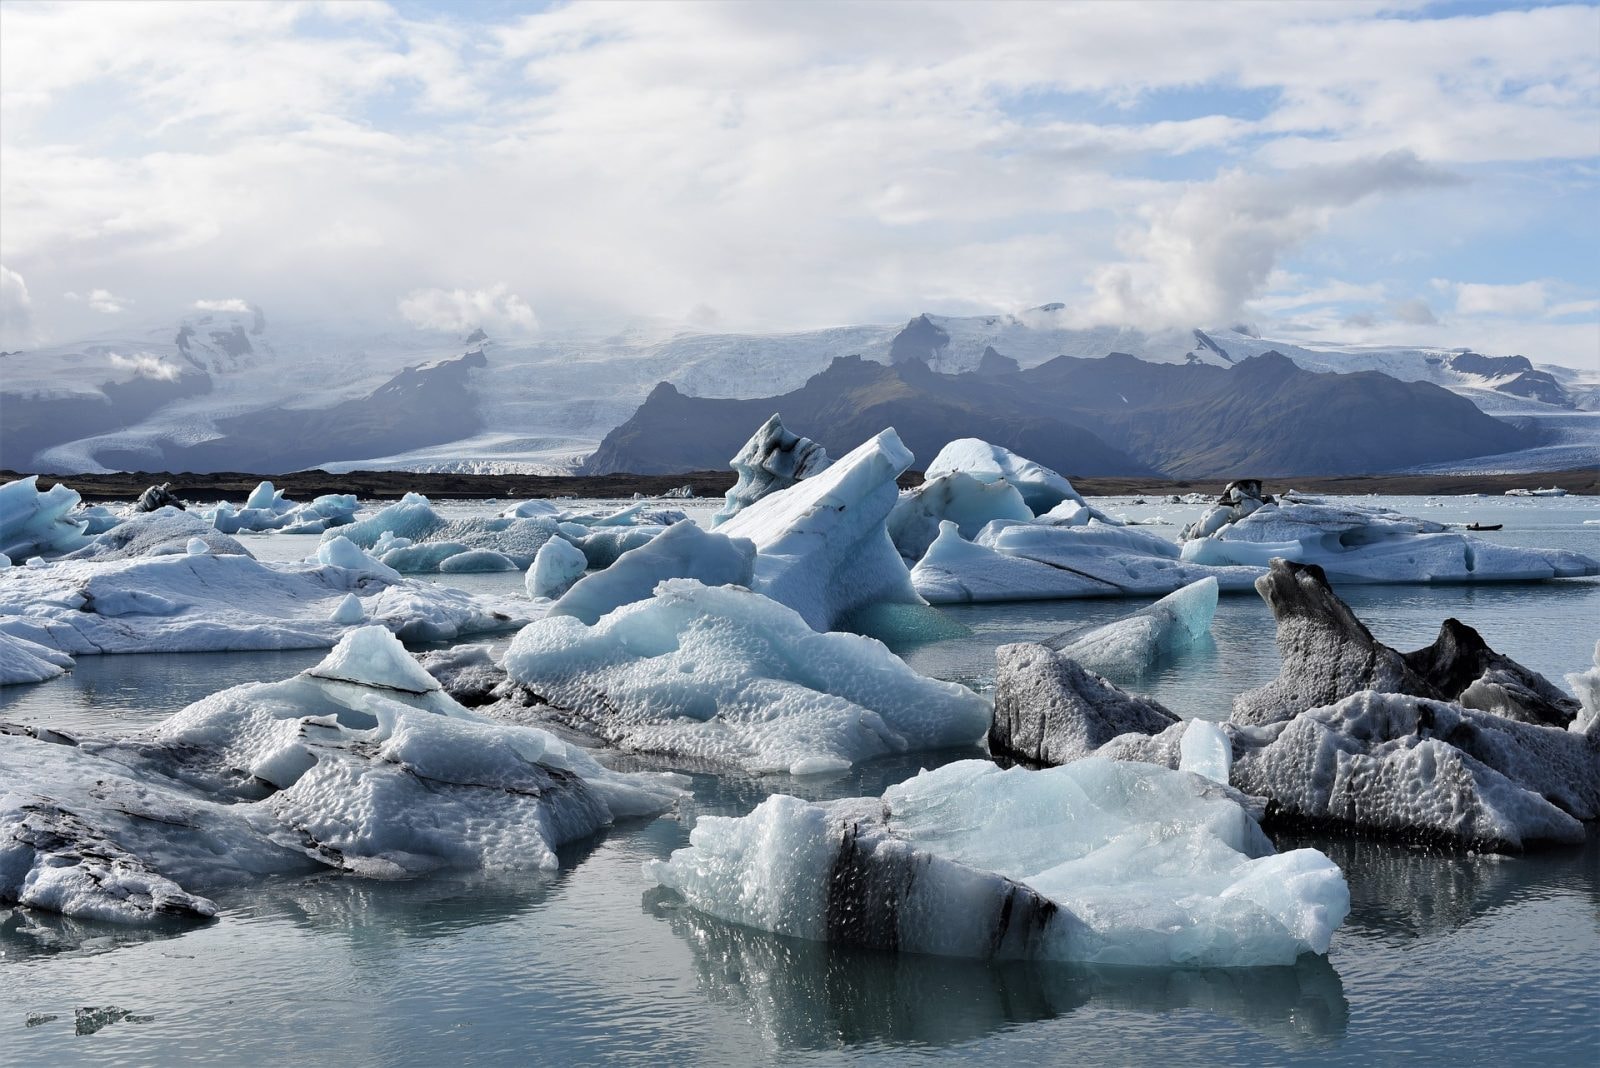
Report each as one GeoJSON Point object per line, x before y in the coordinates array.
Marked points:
{"type": "Point", "coordinates": [1048, 709]}
{"type": "Point", "coordinates": [478, 560]}
{"type": "Point", "coordinates": [25, 661]}
{"type": "Point", "coordinates": [430, 539]}
{"type": "Point", "coordinates": [349, 611]}
{"type": "Point", "coordinates": [34, 523]}
{"type": "Point", "coordinates": [5, 561]}
{"type": "Point", "coordinates": [556, 566]}
{"type": "Point", "coordinates": [1362, 545]}
{"type": "Point", "coordinates": [772, 460]}
{"type": "Point", "coordinates": [605, 546]}
{"type": "Point", "coordinates": [1206, 750]}
{"type": "Point", "coordinates": [35, 562]}
{"type": "Point", "coordinates": [367, 767]}
{"type": "Point", "coordinates": [957, 497]}
{"type": "Point", "coordinates": [214, 602]}
{"type": "Point", "coordinates": [529, 509]}
{"type": "Point", "coordinates": [197, 546]}
{"type": "Point", "coordinates": [1097, 861]}
{"type": "Point", "coordinates": [1134, 644]}
{"type": "Point", "coordinates": [726, 677]}
{"type": "Point", "coordinates": [341, 552]}
{"type": "Point", "coordinates": [681, 551]}
{"type": "Point", "coordinates": [264, 496]}
{"type": "Point", "coordinates": [1040, 487]}
{"type": "Point", "coordinates": [821, 545]}
{"type": "Point", "coordinates": [1031, 561]}
{"type": "Point", "coordinates": [97, 519]}
{"type": "Point", "coordinates": [266, 509]}
{"type": "Point", "coordinates": [163, 532]}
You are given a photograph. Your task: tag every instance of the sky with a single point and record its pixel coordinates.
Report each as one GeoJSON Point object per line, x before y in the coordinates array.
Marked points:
{"type": "Point", "coordinates": [1361, 172]}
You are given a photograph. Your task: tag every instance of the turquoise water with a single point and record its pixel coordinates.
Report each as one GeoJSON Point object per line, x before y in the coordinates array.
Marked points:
{"type": "Point", "coordinates": [1445, 958]}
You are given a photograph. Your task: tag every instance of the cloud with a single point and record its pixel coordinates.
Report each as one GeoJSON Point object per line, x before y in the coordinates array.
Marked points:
{"type": "Point", "coordinates": [16, 308]}
{"type": "Point", "coordinates": [145, 365]}
{"type": "Point", "coordinates": [496, 310]}
{"type": "Point", "coordinates": [101, 300]}
{"type": "Point", "coordinates": [1202, 256]}
{"type": "Point", "coordinates": [1526, 298]}
{"type": "Point", "coordinates": [229, 304]}
{"type": "Point", "coordinates": [1416, 312]}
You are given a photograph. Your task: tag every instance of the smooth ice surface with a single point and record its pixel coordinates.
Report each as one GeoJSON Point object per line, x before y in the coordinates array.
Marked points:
{"type": "Point", "coordinates": [365, 766]}
{"type": "Point", "coordinates": [1139, 642]}
{"type": "Point", "coordinates": [683, 550]}
{"type": "Point", "coordinates": [556, 566]}
{"type": "Point", "coordinates": [773, 459]}
{"type": "Point", "coordinates": [821, 545]}
{"type": "Point", "coordinates": [34, 523]}
{"type": "Point", "coordinates": [1206, 750]}
{"type": "Point", "coordinates": [728, 677]}
{"type": "Point", "coordinates": [1040, 487]}
{"type": "Point", "coordinates": [1098, 861]}
{"type": "Point", "coordinates": [1032, 561]}
{"type": "Point", "coordinates": [1354, 544]}
{"type": "Point", "coordinates": [958, 497]}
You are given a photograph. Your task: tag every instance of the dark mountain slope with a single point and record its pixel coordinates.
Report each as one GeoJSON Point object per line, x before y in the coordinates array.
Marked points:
{"type": "Point", "coordinates": [1113, 415]}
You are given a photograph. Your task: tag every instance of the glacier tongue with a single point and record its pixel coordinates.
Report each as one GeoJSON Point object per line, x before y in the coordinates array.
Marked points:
{"type": "Point", "coordinates": [1097, 861]}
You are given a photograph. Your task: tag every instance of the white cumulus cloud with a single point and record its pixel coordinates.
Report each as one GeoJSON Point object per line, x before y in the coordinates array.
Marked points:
{"type": "Point", "coordinates": [230, 304]}
{"type": "Point", "coordinates": [144, 365]}
{"type": "Point", "coordinates": [16, 308]}
{"type": "Point", "coordinates": [496, 309]}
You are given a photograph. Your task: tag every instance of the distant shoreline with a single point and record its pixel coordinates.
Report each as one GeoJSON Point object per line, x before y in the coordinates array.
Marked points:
{"type": "Point", "coordinates": [303, 485]}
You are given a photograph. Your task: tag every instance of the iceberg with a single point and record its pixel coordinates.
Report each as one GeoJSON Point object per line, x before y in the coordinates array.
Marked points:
{"type": "Point", "coordinates": [411, 536]}
{"type": "Point", "coordinates": [772, 460]}
{"type": "Point", "coordinates": [722, 677]}
{"type": "Point", "coordinates": [35, 523]}
{"type": "Point", "coordinates": [1586, 684]}
{"type": "Point", "coordinates": [681, 551]}
{"type": "Point", "coordinates": [360, 765]}
{"type": "Point", "coordinates": [167, 531]}
{"type": "Point", "coordinates": [1032, 561]}
{"type": "Point", "coordinates": [1040, 487]}
{"type": "Point", "coordinates": [821, 545]}
{"type": "Point", "coordinates": [215, 601]}
{"type": "Point", "coordinates": [1050, 710]}
{"type": "Point", "coordinates": [266, 509]}
{"type": "Point", "coordinates": [159, 496]}
{"type": "Point", "coordinates": [1135, 644]}
{"type": "Point", "coordinates": [1099, 861]}
{"type": "Point", "coordinates": [1328, 654]}
{"type": "Point", "coordinates": [24, 661]}
{"type": "Point", "coordinates": [1363, 545]}
{"type": "Point", "coordinates": [957, 497]}
{"type": "Point", "coordinates": [556, 566]}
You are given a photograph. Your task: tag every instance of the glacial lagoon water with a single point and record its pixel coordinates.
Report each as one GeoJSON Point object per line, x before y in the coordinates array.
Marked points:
{"type": "Point", "coordinates": [1446, 958]}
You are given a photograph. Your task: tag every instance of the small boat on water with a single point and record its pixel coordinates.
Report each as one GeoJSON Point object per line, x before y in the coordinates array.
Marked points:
{"type": "Point", "coordinates": [1484, 526]}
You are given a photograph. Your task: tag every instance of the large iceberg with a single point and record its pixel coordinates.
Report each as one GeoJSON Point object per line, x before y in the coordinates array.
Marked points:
{"type": "Point", "coordinates": [1355, 544]}
{"type": "Point", "coordinates": [726, 678]}
{"type": "Point", "coordinates": [1139, 642]}
{"type": "Point", "coordinates": [34, 523]}
{"type": "Point", "coordinates": [1011, 561]}
{"type": "Point", "coordinates": [821, 545]}
{"type": "Point", "coordinates": [205, 602]}
{"type": "Point", "coordinates": [681, 551]}
{"type": "Point", "coordinates": [359, 765]}
{"type": "Point", "coordinates": [773, 459]}
{"type": "Point", "coordinates": [1098, 861]}
{"type": "Point", "coordinates": [956, 497]}
{"type": "Point", "coordinates": [1040, 487]}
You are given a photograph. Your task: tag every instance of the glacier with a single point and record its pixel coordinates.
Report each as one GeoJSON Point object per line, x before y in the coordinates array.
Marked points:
{"type": "Point", "coordinates": [1097, 861]}
{"type": "Point", "coordinates": [723, 677]}
{"type": "Point", "coordinates": [360, 765]}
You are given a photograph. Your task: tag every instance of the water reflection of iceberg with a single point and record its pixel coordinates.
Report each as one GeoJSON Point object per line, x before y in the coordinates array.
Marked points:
{"type": "Point", "coordinates": [812, 995]}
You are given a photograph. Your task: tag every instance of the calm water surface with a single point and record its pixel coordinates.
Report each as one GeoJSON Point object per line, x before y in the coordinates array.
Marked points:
{"type": "Point", "coordinates": [1445, 958]}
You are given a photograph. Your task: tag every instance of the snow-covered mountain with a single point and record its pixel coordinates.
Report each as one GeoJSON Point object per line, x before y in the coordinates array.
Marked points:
{"type": "Point", "coordinates": [218, 387]}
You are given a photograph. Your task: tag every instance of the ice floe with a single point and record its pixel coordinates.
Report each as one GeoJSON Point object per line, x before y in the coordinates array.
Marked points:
{"type": "Point", "coordinates": [25, 661]}
{"type": "Point", "coordinates": [266, 509]}
{"type": "Point", "coordinates": [1139, 642]}
{"type": "Point", "coordinates": [167, 531]}
{"type": "Point", "coordinates": [681, 551]}
{"type": "Point", "coordinates": [957, 497]}
{"type": "Point", "coordinates": [725, 677]}
{"type": "Point", "coordinates": [1040, 487]}
{"type": "Point", "coordinates": [1354, 544]}
{"type": "Point", "coordinates": [1097, 861]}
{"type": "Point", "coordinates": [556, 566]}
{"type": "Point", "coordinates": [360, 765]}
